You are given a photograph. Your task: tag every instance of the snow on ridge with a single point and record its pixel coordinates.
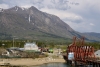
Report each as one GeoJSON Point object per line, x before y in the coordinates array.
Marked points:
{"type": "Point", "coordinates": [22, 8]}
{"type": "Point", "coordinates": [1, 9]}
{"type": "Point", "coordinates": [29, 19]}
{"type": "Point", "coordinates": [16, 8]}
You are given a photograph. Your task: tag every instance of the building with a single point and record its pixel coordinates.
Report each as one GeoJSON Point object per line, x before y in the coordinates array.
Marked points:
{"type": "Point", "coordinates": [97, 53]}
{"type": "Point", "coordinates": [31, 46]}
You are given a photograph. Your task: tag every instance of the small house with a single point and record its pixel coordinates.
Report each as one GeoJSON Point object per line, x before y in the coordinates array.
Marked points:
{"type": "Point", "coordinates": [31, 46]}
{"type": "Point", "coordinates": [97, 53]}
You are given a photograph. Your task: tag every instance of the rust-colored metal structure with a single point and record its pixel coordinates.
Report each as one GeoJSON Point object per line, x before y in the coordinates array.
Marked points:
{"type": "Point", "coordinates": [81, 52]}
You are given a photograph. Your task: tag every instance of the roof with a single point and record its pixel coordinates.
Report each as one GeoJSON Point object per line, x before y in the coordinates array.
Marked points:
{"type": "Point", "coordinates": [30, 44]}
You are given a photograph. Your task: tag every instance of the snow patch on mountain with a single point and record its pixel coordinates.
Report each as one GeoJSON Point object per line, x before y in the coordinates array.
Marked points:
{"type": "Point", "coordinates": [29, 19]}
{"type": "Point", "coordinates": [1, 10]}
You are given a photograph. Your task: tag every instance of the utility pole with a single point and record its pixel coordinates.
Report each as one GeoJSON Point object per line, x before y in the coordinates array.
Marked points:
{"type": "Point", "coordinates": [13, 42]}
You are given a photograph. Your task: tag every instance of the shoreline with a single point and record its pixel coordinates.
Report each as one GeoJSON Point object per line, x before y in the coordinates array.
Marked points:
{"type": "Point", "coordinates": [32, 62]}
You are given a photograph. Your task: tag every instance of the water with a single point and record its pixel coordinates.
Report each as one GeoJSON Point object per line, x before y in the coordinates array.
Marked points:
{"type": "Point", "coordinates": [54, 65]}
{"type": "Point", "coordinates": [58, 65]}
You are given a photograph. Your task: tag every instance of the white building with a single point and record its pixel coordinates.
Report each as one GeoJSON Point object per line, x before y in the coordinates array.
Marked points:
{"type": "Point", "coordinates": [31, 46]}
{"type": "Point", "coordinates": [97, 53]}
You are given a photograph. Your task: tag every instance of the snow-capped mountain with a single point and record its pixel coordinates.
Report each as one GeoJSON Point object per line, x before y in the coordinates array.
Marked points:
{"type": "Point", "coordinates": [30, 23]}
{"type": "Point", "coordinates": [26, 23]}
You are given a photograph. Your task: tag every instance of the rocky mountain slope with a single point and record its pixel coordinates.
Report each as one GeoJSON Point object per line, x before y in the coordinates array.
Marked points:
{"type": "Point", "coordinates": [92, 36]}
{"type": "Point", "coordinates": [31, 23]}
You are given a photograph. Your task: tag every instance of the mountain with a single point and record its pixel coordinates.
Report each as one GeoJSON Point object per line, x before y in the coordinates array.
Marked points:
{"type": "Point", "coordinates": [30, 23]}
{"type": "Point", "coordinates": [92, 36]}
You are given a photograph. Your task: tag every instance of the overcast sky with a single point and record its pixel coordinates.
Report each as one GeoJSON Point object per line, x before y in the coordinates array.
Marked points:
{"type": "Point", "coordinates": [81, 15]}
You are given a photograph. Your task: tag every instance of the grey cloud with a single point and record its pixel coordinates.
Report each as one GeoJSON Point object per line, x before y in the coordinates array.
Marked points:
{"type": "Point", "coordinates": [73, 20]}
{"type": "Point", "coordinates": [74, 3]}
{"type": "Point", "coordinates": [1, 1]}
{"type": "Point", "coordinates": [60, 4]}
{"type": "Point", "coordinates": [77, 21]}
{"type": "Point", "coordinates": [36, 1]}
{"type": "Point", "coordinates": [12, 3]}
{"type": "Point", "coordinates": [52, 4]}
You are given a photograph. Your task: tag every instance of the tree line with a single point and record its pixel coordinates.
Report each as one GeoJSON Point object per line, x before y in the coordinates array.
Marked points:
{"type": "Point", "coordinates": [20, 44]}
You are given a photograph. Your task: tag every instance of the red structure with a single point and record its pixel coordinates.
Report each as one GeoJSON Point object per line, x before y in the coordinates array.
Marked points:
{"type": "Point", "coordinates": [81, 52]}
